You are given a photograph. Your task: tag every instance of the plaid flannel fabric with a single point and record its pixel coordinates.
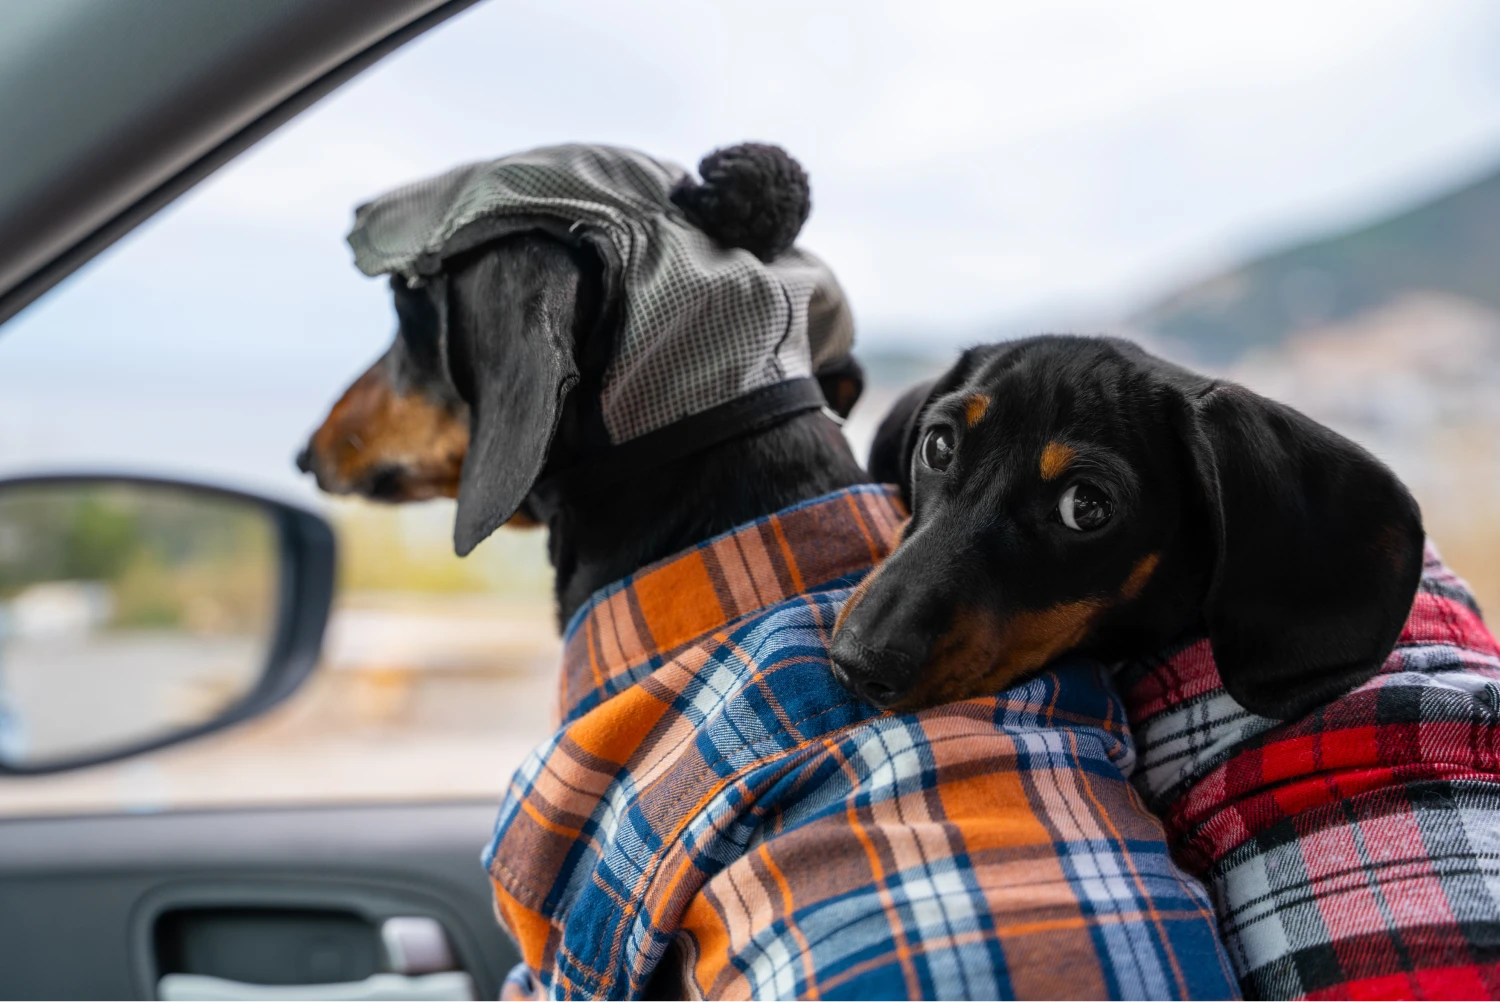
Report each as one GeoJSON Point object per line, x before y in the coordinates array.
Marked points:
{"type": "Point", "coordinates": [714, 803]}
{"type": "Point", "coordinates": [1354, 853]}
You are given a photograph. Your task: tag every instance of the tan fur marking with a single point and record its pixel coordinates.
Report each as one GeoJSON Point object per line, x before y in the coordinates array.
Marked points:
{"type": "Point", "coordinates": [980, 655]}
{"type": "Point", "coordinates": [1032, 639]}
{"type": "Point", "coordinates": [975, 408]}
{"type": "Point", "coordinates": [373, 427]}
{"type": "Point", "coordinates": [1055, 459]}
{"type": "Point", "coordinates": [1139, 575]}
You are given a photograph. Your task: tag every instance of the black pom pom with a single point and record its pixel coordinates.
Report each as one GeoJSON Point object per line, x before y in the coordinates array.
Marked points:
{"type": "Point", "coordinates": [753, 195]}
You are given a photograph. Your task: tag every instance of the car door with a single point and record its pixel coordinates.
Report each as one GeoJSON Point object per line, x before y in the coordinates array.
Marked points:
{"type": "Point", "coordinates": [331, 848]}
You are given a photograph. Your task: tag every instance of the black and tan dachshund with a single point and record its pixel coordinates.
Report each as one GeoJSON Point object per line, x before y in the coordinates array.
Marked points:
{"type": "Point", "coordinates": [1072, 493]}
{"type": "Point", "coordinates": [472, 414]}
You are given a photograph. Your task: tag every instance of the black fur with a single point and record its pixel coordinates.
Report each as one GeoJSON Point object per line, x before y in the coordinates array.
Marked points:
{"type": "Point", "coordinates": [753, 196]}
{"type": "Point", "coordinates": [1293, 549]}
{"type": "Point", "coordinates": [601, 537]}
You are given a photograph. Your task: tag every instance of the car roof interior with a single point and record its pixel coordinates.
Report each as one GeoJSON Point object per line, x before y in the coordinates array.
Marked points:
{"type": "Point", "coordinates": [110, 111]}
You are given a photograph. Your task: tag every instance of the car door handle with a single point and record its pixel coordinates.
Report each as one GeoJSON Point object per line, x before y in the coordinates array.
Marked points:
{"type": "Point", "coordinates": [376, 988]}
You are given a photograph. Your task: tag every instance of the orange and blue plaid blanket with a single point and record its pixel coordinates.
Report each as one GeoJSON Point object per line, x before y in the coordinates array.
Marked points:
{"type": "Point", "coordinates": [714, 808]}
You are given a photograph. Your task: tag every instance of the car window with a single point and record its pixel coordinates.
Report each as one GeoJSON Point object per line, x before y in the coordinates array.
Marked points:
{"type": "Point", "coordinates": [1304, 199]}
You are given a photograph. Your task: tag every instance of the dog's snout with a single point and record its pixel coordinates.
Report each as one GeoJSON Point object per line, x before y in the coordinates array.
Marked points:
{"type": "Point", "coordinates": [305, 459]}
{"type": "Point", "coordinates": [880, 676]}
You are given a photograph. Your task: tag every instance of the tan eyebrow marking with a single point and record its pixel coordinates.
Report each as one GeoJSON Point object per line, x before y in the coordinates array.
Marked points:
{"type": "Point", "coordinates": [975, 407]}
{"type": "Point", "coordinates": [1055, 459]}
{"type": "Point", "coordinates": [1139, 575]}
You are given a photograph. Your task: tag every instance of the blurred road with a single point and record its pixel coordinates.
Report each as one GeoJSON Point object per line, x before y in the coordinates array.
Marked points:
{"type": "Point", "coordinates": [418, 697]}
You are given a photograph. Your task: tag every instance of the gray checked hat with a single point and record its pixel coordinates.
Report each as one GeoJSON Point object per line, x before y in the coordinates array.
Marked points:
{"type": "Point", "coordinates": [715, 302]}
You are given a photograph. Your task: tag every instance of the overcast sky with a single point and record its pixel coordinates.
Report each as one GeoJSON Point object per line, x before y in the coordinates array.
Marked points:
{"type": "Point", "coordinates": [976, 167]}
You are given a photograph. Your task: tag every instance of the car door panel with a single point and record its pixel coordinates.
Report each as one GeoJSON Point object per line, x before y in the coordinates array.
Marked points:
{"type": "Point", "coordinates": [102, 907]}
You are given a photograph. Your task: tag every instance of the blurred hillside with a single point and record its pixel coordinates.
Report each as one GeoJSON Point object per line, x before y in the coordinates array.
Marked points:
{"type": "Point", "coordinates": [1449, 244]}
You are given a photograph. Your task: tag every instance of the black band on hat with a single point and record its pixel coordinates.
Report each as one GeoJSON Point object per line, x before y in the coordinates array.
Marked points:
{"type": "Point", "coordinates": [755, 411]}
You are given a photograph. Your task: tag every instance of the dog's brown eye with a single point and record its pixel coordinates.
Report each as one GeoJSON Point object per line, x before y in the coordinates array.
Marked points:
{"type": "Point", "coordinates": [1084, 507]}
{"type": "Point", "coordinates": [937, 447]}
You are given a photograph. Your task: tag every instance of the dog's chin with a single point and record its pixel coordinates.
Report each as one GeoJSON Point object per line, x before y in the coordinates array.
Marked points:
{"type": "Point", "coordinates": [953, 689]}
{"type": "Point", "coordinates": [391, 485]}
{"type": "Point", "coordinates": [406, 489]}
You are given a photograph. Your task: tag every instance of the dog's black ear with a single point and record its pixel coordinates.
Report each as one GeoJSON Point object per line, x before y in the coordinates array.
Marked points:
{"type": "Point", "coordinates": [890, 453]}
{"type": "Point", "coordinates": [842, 381]}
{"type": "Point", "coordinates": [1318, 552]}
{"type": "Point", "coordinates": [511, 315]}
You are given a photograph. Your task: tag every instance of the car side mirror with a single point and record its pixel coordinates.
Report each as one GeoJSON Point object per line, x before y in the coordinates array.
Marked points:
{"type": "Point", "coordinates": [136, 613]}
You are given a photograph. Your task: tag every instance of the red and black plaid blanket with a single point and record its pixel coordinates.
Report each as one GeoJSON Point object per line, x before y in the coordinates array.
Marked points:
{"type": "Point", "coordinates": [1354, 853]}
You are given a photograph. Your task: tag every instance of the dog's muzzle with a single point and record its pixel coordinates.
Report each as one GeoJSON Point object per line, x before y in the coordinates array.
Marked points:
{"type": "Point", "coordinates": [878, 675]}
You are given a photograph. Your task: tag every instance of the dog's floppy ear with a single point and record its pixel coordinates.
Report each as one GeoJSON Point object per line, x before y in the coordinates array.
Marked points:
{"type": "Point", "coordinates": [890, 453]}
{"type": "Point", "coordinates": [1318, 552]}
{"type": "Point", "coordinates": [511, 313]}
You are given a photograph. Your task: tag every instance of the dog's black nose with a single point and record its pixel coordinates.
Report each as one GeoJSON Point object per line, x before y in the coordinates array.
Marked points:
{"type": "Point", "coordinates": [879, 677]}
{"type": "Point", "coordinates": [304, 459]}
